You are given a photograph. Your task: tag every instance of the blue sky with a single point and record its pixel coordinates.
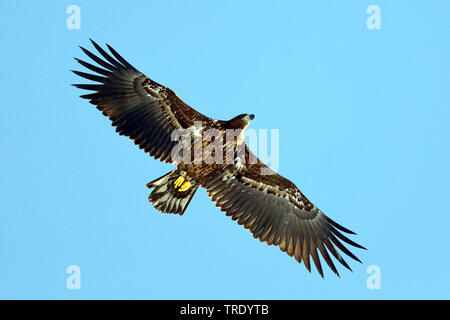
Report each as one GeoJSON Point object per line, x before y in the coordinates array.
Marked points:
{"type": "Point", "coordinates": [364, 132]}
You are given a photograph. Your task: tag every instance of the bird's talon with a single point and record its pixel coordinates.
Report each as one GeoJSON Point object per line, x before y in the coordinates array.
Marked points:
{"type": "Point", "coordinates": [179, 182]}
{"type": "Point", "coordinates": [185, 186]}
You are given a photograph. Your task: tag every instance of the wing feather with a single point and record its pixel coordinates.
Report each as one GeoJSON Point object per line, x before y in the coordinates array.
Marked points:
{"type": "Point", "coordinates": [276, 212]}
{"type": "Point", "coordinates": [138, 107]}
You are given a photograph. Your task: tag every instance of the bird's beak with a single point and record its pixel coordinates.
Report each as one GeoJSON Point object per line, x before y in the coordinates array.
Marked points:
{"type": "Point", "coordinates": [249, 117]}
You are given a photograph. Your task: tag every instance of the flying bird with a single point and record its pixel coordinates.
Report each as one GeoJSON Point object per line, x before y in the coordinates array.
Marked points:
{"type": "Point", "coordinates": [269, 205]}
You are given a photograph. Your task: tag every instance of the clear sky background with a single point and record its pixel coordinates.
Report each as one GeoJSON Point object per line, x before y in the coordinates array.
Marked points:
{"type": "Point", "coordinates": [364, 121]}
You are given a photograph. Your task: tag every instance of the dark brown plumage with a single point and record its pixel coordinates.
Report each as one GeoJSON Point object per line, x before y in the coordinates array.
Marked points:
{"type": "Point", "coordinates": [269, 205]}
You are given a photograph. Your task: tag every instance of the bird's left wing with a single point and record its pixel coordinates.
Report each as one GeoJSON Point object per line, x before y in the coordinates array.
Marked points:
{"type": "Point", "coordinates": [276, 212]}
{"type": "Point", "coordinates": [138, 107]}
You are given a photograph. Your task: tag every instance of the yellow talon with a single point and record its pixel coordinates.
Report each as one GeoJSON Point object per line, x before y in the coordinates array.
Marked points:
{"type": "Point", "coordinates": [179, 181]}
{"type": "Point", "coordinates": [185, 186]}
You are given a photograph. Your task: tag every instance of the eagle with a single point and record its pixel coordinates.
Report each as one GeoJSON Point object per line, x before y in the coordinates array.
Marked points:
{"type": "Point", "coordinates": [269, 205]}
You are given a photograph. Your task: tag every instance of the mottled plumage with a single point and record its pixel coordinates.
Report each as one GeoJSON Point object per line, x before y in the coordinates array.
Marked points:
{"type": "Point", "coordinates": [269, 205]}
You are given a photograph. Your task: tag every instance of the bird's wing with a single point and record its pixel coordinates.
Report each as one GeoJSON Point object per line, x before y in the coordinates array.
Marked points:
{"type": "Point", "coordinates": [278, 213]}
{"type": "Point", "coordinates": [138, 107]}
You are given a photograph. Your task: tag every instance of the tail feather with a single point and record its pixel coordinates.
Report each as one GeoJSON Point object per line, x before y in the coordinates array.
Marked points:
{"type": "Point", "coordinates": [167, 196]}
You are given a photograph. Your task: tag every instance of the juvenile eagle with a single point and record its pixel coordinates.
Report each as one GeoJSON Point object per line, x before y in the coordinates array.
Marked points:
{"type": "Point", "coordinates": [269, 205]}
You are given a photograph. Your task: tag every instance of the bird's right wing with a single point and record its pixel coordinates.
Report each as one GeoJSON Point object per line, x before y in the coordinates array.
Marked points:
{"type": "Point", "coordinates": [138, 107]}
{"type": "Point", "coordinates": [276, 211]}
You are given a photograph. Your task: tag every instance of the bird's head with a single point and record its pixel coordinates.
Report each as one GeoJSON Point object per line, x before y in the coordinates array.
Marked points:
{"type": "Point", "coordinates": [241, 121]}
